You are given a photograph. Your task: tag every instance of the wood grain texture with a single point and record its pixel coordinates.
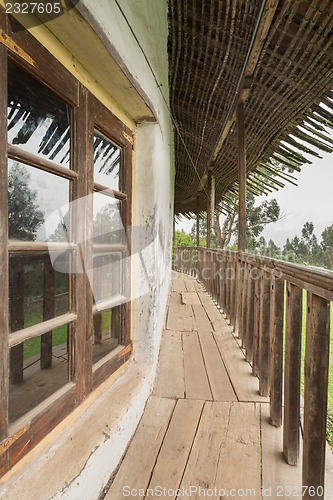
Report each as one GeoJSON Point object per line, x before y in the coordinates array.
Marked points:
{"type": "Point", "coordinates": [239, 466]}
{"type": "Point", "coordinates": [140, 458]}
{"type": "Point", "coordinates": [219, 381]}
{"type": "Point", "coordinates": [246, 386]}
{"type": "Point", "coordinates": [4, 313]}
{"type": "Point", "coordinates": [180, 318]}
{"type": "Point", "coordinates": [176, 447]}
{"type": "Point", "coordinates": [169, 381]}
{"type": "Point", "coordinates": [196, 380]}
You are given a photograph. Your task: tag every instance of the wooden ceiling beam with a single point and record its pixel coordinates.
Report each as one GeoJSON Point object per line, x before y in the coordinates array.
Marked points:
{"type": "Point", "coordinates": [243, 88]}
{"type": "Point", "coordinates": [245, 81]}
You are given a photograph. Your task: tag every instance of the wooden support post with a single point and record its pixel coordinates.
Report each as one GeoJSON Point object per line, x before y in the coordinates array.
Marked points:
{"type": "Point", "coordinates": [250, 315]}
{"type": "Point", "coordinates": [209, 206]}
{"type": "Point", "coordinates": [241, 177]}
{"type": "Point", "coordinates": [3, 249]}
{"type": "Point", "coordinates": [232, 278]}
{"type": "Point", "coordinates": [264, 336]}
{"type": "Point", "coordinates": [315, 394]}
{"type": "Point", "coordinates": [48, 313]}
{"type": "Point", "coordinates": [174, 231]}
{"type": "Point", "coordinates": [256, 322]}
{"type": "Point", "coordinates": [243, 303]}
{"type": "Point", "coordinates": [16, 274]}
{"type": "Point", "coordinates": [292, 374]}
{"type": "Point", "coordinates": [276, 343]}
{"type": "Point", "coordinates": [227, 286]}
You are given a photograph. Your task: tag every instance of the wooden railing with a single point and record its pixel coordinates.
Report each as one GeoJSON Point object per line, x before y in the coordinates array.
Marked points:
{"type": "Point", "coordinates": [263, 300]}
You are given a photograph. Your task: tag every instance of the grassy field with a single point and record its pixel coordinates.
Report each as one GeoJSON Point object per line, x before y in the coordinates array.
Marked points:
{"type": "Point", "coordinates": [32, 347]}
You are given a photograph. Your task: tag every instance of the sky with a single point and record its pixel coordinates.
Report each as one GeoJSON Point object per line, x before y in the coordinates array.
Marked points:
{"type": "Point", "coordinates": [311, 200]}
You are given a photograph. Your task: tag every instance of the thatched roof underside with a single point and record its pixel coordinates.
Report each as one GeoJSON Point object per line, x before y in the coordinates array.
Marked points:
{"type": "Point", "coordinates": [288, 110]}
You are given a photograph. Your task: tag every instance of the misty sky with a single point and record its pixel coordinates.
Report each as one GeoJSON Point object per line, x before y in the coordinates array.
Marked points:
{"type": "Point", "coordinates": [311, 200]}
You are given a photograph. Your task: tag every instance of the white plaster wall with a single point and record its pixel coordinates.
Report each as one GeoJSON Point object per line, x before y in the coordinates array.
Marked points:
{"type": "Point", "coordinates": [79, 459]}
{"type": "Point", "coordinates": [137, 38]}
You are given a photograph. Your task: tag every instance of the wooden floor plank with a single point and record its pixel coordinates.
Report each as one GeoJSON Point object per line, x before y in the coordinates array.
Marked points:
{"type": "Point", "coordinates": [196, 380]}
{"type": "Point", "coordinates": [169, 382]}
{"type": "Point", "coordinates": [239, 467]}
{"type": "Point", "coordinates": [189, 284]}
{"type": "Point", "coordinates": [178, 441]}
{"type": "Point", "coordinates": [218, 377]}
{"type": "Point", "coordinates": [214, 314]}
{"type": "Point", "coordinates": [277, 475]}
{"type": "Point", "coordinates": [180, 318]}
{"type": "Point", "coordinates": [138, 463]}
{"type": "Point", "coordinates": [175, 299]}
{"type": "Point", "coordinates": [190, 298]}
{"type": "Point", "coordinates": [244, 383]}
{"type": "Point", "coordinates": [177, 284]}
{"type": "Point", "coordinates": [207, 447]}
{"type": "Point", "coordinates": [201, 319]}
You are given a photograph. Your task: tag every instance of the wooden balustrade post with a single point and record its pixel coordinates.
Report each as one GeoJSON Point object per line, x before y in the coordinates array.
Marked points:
{"type": "Point", "coordinates": [315, 394]}
{"type": "Point", "coordinates": [198, 226]}
{"type": "Point", "coordinates": [276, 344]}
{"type": "Point", "coordinates": [227, 304]}
{"type": "Point", "coordinates": [16, 277]}
{"type": "Point", "coordinates": [232, 291]}
{"type": "Point", "coordinates": [256, 322]}
{"type": "Point", "coordinates": [48, 313]}
{"type": "Point", "coordinates": [244, 305]}
{"type": "Point", "coordinates": [250, 315]}
{"type": "Point", "coordinates": [264, 335]}
{"type": "Point", "coordinates": [224, 283]}
{"type": "Point", "coordinates": [292, 374]}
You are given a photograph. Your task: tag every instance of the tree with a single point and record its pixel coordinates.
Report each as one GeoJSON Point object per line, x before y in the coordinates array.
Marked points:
{"type": "Point", "coordinates": [257, 217]}
{"type": "Point", "coordinates": [183, 239]}
{"type": "Point", "coordinates": [203, 234]}
{"type": "Point", "coordinates": [307, 233]}
{"type": "Point", "coordinates": [24, 217]}
{"type": "Point", "coordinates": [327, 245]}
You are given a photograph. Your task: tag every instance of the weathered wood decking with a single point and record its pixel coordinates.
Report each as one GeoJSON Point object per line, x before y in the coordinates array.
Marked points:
{"type": "Point", "coordinates": [205, 425]}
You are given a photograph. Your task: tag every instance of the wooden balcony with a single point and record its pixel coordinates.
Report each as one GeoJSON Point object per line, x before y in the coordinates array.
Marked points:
{"type": "Point", "coordinates": [206, 430]}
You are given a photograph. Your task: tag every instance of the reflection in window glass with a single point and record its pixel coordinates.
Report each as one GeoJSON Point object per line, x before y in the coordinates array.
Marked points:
{"type": "Point", "coordinates": [107, 161]}
{"type": "Point", "coordinates": [36, 291]}
{"type": "Point", "coordinates": [33, 195]}
{"type": "Point", "coordinates": [38, 368]}
{"type": "Point", "coordinates": [106, 332]}
{"type": "Point", "coordinates": [108, 226]}
{"type": "Point", "coordinates": [38, 121]}
{"type": "Point", "coordinates": [106, 276]}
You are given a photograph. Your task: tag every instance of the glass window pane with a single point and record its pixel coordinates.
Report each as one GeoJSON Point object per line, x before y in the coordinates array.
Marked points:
{"type": "Point", "coordinates": [107, 270]}
{"type": "Point", "coordinates": [38, 121]}
{"type": "Point", "coordinates": [107, 161]}
{"type": "Point", "coordinates": [108, 226]}
{"type": "Point", "coordinates": [106, 332]}
{"type": "Point", "coordinates": [33, 197]}
{"type": "Point", "coordinates": [38, 368]}
{"type": "Point", "coordinates": [37, 292]}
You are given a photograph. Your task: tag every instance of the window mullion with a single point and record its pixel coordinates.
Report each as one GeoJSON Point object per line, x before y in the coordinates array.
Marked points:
{"type": "Point", "coordinates": [4, 383]}
{"type": "Point", "coordinates": [81, 290]}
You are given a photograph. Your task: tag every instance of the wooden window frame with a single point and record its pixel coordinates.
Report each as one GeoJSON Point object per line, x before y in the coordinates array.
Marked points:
{"type": "Point", "coordinates": [17, 439]}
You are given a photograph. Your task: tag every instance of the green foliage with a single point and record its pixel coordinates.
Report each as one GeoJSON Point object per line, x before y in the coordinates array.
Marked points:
{"type": "Point", "coordinates": [24, 218]}
{"type": "Point", "coordinates": [183, 239]}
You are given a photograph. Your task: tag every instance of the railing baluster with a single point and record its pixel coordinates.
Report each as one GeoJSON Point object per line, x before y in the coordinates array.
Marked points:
{"type": "Point", "coordinates": [264, 336]}
{"type": "Point", "coordinates": [292, 370]}
{"type": "Point", "coordinates": [232, 290]}
{"type": "Point", "coordinates": [228, 283]}
{"type": "Point", "coordinates": [315, 393]}
{"type": "Point", "coordinates": [250, 316]}
{"type": "Point", "coordinates": [276, 344]}
{"type": "Point", "coordinates": [244, 304]}
{"type": "Point", "coordinates": [256, 322]}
